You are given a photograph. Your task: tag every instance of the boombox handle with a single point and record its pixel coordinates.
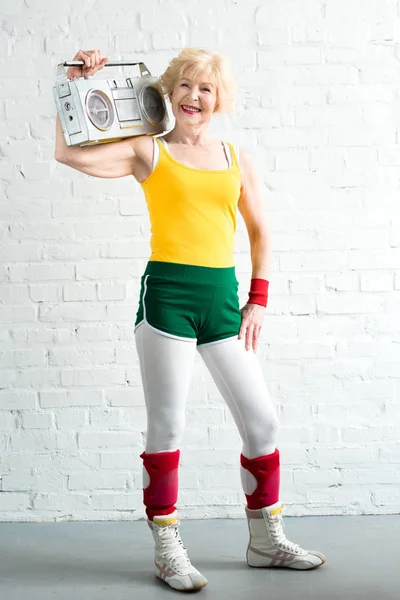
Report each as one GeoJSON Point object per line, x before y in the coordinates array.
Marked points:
{"type": "Point", "coordinates": [61, 73]}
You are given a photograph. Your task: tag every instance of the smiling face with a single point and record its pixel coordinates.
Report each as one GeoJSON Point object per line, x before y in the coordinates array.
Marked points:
{"type": "Point", "coordinates": [194, 99]}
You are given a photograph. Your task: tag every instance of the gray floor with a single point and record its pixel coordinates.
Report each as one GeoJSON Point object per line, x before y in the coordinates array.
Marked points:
{"type": "Point", "coordinates": [96, 561]}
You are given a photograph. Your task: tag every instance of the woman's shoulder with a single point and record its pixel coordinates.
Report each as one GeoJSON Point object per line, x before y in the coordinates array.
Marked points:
{"type": "Point", "coordinates": [143, 145]}
{"type": "Point", "coordinates": [237, 148]}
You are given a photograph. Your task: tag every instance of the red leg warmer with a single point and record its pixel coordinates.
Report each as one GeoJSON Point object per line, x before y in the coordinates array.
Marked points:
{"type": "Point", "coordinates": [161, 494]}
{"type": "Point", "coordinates": [266, 470]}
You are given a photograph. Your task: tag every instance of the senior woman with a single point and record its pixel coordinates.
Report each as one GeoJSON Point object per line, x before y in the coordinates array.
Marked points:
{"type": "Point", "coordinates": [193, 185]}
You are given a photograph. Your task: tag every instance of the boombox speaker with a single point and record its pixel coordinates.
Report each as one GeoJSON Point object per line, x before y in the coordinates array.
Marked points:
{"type": "Point", "coordinates": [96, 111]}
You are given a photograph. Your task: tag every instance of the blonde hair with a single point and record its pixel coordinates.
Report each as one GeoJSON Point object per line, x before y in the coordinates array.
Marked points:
{"type": "Point", "coordinates": [192, 62]}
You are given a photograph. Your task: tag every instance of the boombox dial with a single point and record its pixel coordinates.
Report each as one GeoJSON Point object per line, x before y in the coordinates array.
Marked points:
{"type": "Point", "coordinates": [152, 104]}
{"type": "Point", "coordinates": [99, 109]}
{"type": "Point", "coordinates": [111, 110]}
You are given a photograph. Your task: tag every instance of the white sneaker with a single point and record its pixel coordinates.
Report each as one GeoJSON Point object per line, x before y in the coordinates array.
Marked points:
{"type": "Point", "coordinates": [269, 547]}
{"type": "Point", "coordinates": [171, 560]}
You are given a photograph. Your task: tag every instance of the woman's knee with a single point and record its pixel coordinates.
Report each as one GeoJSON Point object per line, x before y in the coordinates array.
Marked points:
{"type": "Point", "coordinates": [261, 439]}
{"type": "Point", "coordinates": [164, 435]}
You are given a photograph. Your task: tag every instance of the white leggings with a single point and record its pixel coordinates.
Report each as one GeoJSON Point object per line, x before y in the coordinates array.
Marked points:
{"type": "Point", "coordinates": [166, 367]}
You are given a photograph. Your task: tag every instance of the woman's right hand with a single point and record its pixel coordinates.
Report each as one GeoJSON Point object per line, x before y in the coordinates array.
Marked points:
{"type": "Point", "coordinates": [93, 62]}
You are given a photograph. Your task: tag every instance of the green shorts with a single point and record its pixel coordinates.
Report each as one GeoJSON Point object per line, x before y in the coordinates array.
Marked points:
{"type": "Point", "coordinates": [190, 302]}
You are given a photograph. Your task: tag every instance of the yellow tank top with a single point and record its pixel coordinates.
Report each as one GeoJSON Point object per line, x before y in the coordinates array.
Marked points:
{"type": "Point", "coordinates": [192, 212]}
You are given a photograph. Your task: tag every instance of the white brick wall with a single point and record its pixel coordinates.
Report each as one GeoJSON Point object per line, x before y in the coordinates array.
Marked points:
{"type": "Point", "coordinates": [318, 107]}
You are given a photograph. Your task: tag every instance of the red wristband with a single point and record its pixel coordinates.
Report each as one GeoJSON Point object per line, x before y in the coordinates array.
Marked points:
{"type": "Point", "coordinates": [258, 292]}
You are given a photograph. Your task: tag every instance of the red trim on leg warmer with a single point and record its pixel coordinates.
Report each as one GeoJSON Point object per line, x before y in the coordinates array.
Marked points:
{"type": "Point", "coordinates": [161, 494]}
{"type": "Point", "coordinates": [266, 470]}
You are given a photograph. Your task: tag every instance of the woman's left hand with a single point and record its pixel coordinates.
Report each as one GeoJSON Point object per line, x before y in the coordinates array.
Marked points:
{"type": "Point", "coordinates": [252, 322]}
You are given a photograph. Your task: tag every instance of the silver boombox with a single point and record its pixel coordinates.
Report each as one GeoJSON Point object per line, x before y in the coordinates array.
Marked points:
{"type": "Point", "coordinates": [108, 110]}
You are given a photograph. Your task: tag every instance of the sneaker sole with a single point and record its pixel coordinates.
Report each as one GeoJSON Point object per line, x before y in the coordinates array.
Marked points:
{"type": "Point", "coordinates": [284, 567]}
{"type": "Point", "coordinates": [322, 557]}
{"type": "Point", "coordinates": [187, 591]}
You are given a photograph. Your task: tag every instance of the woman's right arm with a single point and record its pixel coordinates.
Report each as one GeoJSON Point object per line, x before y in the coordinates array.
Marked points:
{"type": "Point", "coordinates": [111, 159]}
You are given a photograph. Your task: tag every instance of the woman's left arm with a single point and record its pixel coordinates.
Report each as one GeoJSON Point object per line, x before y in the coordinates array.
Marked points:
{"type": "Point", "coordinates": [252, 208]}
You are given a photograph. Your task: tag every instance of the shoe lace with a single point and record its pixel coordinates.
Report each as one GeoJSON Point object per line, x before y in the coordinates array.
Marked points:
{"type": "Point", "coordinates": [278, 536]}
{"type": "Point", "coordinates": [172, 548]}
